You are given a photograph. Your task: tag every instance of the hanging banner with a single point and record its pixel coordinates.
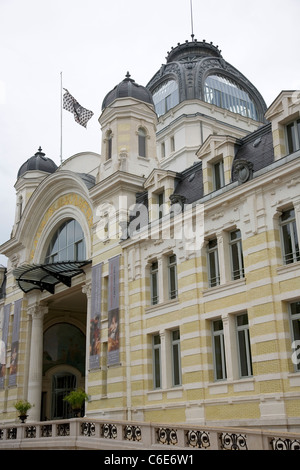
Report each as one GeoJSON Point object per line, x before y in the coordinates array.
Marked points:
{"type": "Point", "coordinates": [95, 316]}
{"type": "Point", "coordinates": [15, 344]}
{"type": "Point", "coordinates": [113, 311]}
{"type": "Point", "coordinates": [3, 344]}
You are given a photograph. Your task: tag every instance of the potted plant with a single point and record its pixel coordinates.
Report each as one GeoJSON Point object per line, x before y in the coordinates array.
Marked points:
{"type": "Point", "coordinates": [22, 406]}
{"type": "Point", "coordinates": [76, 399]}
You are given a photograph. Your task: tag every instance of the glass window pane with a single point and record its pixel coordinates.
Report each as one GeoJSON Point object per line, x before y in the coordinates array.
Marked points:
{"type": "Point", "coordinates": [165, 97]}
{"type": "Point", "coordinates": [67, 244]}
{"type": "Point", "coordinates": [175, 335]}
{"type": "Point", "coordinates": [287, 243]}
{"type": "Point", "coordinates": [291, 137]}
{"type": "Point", "coordinates": [62, 241]}
{"type": "Point", "coordinates": [218, 358]}
{"type": "Point", "coordinates": [242, 319]}
{"type": "Point", "coordinates": [225, 93]}
{"type": "Point", "coordinates": [235, 261]}
{"type": "Point", "coordinates": [218, 325]}
{"type": "Point", "coordinates": [70, 232]}
{"type": "Point", "coordinates": [243, 353]}
{"type": "Point", "coordinates": [176, 365]}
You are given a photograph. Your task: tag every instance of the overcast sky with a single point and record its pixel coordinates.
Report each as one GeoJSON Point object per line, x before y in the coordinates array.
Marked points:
{"type": "Point", "coordinates": [95, 42]}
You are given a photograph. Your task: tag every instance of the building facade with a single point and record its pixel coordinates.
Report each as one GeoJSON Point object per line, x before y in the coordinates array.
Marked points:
{"type": "Point", "coordinates": [162, 274]}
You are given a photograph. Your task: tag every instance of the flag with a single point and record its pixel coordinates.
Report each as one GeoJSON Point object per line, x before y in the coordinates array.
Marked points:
{"type": "Point", "coordinates": [81, 115]}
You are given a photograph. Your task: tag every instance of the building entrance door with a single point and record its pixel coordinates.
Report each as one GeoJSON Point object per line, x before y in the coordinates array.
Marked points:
{"type": "Point", "coordinates": [62, 385]}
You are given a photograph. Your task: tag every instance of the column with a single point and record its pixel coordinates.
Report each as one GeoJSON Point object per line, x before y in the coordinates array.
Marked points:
{"type": "Point", "coordinates": [37, 313]}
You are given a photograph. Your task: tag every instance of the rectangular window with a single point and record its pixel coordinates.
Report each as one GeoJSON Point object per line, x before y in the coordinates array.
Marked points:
{"type": "Point", "coordinates": [161, 201]}
{"type": "Point", "coordinates": [176, 362]}
{"type": "Point", "coordinates": [213, 263]}
{"type": "Point", "coordinates": [172, 143]}
{"type": "Point", "coordinates": [293, 136]}
{"type": "Point", "coordinates": [154, 283]}
{"type": "Point", "coordinates": [172, 275]}
{"type": "Point", "coordinates": [290, 243]}
{"type": "Point", "coordinates": [156, 362]}
{"type": "Point", "coordinates": [237, 260]}
{"type": "Point", "coordinates": [244, 348]}
{"type": "Point", "coordinates": [295, 325]}
{"type": "Point", "coordinates": [218, 175]}
{"type": "Point", "coordinates": [219, 350]}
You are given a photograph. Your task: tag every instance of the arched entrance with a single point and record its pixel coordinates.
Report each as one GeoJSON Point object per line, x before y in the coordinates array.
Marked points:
{"type": "Point", "coordinates": [64, 354]}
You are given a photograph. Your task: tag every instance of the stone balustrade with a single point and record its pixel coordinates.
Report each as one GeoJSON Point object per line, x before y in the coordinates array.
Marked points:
{"type": "Point", "coordinates": [83, 433]}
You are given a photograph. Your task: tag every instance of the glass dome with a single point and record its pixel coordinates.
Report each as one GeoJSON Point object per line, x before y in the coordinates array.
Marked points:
{"type": "Point", "coordinates": [226, 94]}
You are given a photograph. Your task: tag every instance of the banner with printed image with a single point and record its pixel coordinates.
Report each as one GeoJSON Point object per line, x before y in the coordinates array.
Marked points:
{"type": "Point", "coordinates": [113, 311]}
{"type": "Point", "coordinates": [3, 344]}
{"type": "Point", "coordinates": [15, 344]}
{"type": "Point", "coordinates": [95, 316]}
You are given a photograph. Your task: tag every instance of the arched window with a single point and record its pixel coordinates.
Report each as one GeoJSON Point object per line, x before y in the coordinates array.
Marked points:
{"type": "Point", "coordinates": [165, 97]}
{"type": "Point", "coordinates": [226, 94]}
{"type": "Point", "coordinates": [142, 142]}
{"type": "Point", "coordinates": [67, 244]}
{"type": "Point", "coordinates": [108, 145]}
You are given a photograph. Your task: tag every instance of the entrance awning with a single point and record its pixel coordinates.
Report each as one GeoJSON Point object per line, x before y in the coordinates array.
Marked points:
{"type": "Point", "coordinates": [46, 276]}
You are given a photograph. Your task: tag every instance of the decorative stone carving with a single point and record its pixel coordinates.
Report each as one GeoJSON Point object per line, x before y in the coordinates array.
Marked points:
{"type": "Point", "coordinates": [242, 170]}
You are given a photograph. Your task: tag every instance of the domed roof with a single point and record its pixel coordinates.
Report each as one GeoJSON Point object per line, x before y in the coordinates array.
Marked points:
{"type": "Point", "coordinates": [38, 162]}
{"type": "Point", "coordinates": [128, 89]}
{"type": "Point", "coordinates": [196, 70]}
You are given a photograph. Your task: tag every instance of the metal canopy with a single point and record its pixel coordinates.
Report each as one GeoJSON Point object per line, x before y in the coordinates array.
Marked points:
{"type": "Point", "coordinates": [46, 276]}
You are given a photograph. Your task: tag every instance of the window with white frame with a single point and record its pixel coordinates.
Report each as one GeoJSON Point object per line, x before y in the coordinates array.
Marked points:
{"type": "Point", "coordinates": [295, 327]}
{"type": "Point", "coordinates": [172, 276]}
{"type": "Point", "coordinates": [218, 175]}
{"type": "Point", "coordinates": [176, 362]}
{"type": "Point", "coordinates": [213, 263]}
{"type": "Point", "coordinates": [156, 344]}
{"type": "Point", "coordinates": [289, 236]}
{"type": "Point", "coordinates": [244, 348]}
{"type": "Point", "coordinates": [154, 282]}
{"type": "Point", "coordinates": [236, 252]}
{"type": "Point", "coordinates": [293, 136]}
{"type": "Point", "coordinates": [219, 350]}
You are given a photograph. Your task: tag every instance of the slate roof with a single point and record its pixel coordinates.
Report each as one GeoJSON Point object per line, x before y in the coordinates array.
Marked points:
{"type": "Point", "coordinates": [190, 183]}
{"type": "Point", "coordinates": [256, 148]}
{"type": "Point", "coordinates": [38, 162]}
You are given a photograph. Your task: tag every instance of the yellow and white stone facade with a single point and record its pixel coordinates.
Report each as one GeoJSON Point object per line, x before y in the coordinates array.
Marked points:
{"type": "Point", "coordinates": [196, 343]}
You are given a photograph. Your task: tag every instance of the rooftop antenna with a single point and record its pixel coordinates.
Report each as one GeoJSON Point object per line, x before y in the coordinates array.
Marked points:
{"type": "Point", "coordinates": [192, 20]}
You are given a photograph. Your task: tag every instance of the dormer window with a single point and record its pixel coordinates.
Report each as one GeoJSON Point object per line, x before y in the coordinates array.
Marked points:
{"type": "Point", "coordinates": [218, 175]}
{"type": "Point", "coordinates": [293, 136]}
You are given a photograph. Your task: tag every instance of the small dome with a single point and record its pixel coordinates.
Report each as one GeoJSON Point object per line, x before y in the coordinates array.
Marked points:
{"type": "Point", "coordinates": [128, 89]}
{"type": "Point", "coordinates": [38, 163]}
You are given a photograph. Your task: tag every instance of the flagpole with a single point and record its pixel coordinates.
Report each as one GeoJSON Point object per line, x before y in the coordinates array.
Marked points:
{"type": "Point", "coordinates": [61, 117]}
{"type": "Point", "coordinates": [192, 19]}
